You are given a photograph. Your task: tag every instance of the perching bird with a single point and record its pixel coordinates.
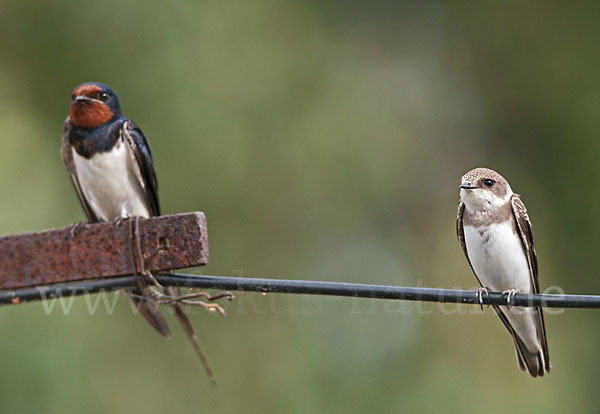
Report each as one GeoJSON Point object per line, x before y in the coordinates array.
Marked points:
{"type": "Point", "coordinates": [495, 234]}
{"type": "Point", "coordinates": [111, 167]}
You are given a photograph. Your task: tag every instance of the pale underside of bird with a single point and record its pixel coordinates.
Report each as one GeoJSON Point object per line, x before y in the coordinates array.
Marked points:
{"type": "Point", "coordinates": [496, 236]}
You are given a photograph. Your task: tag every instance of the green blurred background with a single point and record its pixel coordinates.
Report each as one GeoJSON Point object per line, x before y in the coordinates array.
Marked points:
{"type": "Point", "coordinates": [324, 140]}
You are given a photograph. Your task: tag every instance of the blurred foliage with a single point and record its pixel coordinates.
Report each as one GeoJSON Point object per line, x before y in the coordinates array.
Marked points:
{"type": "Point", "coordinates": [324, 140]}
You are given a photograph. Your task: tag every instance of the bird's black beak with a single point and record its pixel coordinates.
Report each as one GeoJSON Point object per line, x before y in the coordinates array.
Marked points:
{"type": "Point", "coordinates": [467, 186]}
{"type": "Point", "coordinates": [80, 99]}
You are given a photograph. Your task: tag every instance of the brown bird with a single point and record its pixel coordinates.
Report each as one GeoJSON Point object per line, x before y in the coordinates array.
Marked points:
{"type": "Point", "coordinates": [496, 236]}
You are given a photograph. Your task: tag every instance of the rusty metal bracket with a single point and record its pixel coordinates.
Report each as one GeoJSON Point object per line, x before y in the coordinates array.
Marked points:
{"type": "Point", "coordinates": [97, 250]}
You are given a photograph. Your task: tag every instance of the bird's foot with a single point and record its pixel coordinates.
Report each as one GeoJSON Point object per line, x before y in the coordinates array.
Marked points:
{"type": "Point", "coordinates": [480, 292]}
{"type": "Point", "coordinates": [117, 222]}
{"type": "Point", "coordinates": [510, 294]}
{"type": "Point", "coordinates": [189, 300]}
{"type": "Point", "coordinates": [76, 227]}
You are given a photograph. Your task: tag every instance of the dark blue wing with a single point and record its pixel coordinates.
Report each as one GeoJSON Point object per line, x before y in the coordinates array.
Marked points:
{"type": "Point", "coordinates": [137, 141]}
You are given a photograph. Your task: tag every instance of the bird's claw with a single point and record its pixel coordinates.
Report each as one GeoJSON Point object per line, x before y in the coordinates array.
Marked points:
{"type": "Point", "coordinates": [510, 294]}
{"type": "Point", "coordinates": [480, 292]}
{"type": "Point", "coordinates": [76, 227]}
{"type": "Point", "coordinates": [117, 222]}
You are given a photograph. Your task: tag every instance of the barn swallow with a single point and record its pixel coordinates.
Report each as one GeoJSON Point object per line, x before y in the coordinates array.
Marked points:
{"type": "Point", "coordinates": [111, 167]}
{"type": "Point", "coordinates": [496, 236]}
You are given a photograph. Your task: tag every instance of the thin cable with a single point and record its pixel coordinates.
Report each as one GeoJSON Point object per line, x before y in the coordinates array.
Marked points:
{"type": "Point", "coordinates": [304, 287]}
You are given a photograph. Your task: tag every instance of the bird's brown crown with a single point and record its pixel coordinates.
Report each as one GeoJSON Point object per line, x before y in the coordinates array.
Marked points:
{"type": "Point", "coordinates": [490, 180]}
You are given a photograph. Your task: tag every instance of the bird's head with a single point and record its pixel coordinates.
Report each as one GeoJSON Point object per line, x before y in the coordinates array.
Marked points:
{"type": "Point", "coordinates": [93, 104]}
{"type": "Point", "coordinates": [483, 189]}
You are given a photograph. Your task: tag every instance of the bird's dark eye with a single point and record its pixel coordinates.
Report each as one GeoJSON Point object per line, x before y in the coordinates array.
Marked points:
{"type": "Point", "coordinates": [489, 183]}
{"type": "Point", "coordinates": [101, 96]}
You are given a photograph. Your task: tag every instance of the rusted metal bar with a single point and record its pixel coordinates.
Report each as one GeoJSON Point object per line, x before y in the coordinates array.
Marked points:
{"type": "Point", "coordinates": [98, 250]}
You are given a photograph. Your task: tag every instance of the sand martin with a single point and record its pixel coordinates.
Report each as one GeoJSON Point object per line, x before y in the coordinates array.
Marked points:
{"type": "Point", "coordinates": [111, 167]}
{"type": "Point", "coordinates": [496, 236]}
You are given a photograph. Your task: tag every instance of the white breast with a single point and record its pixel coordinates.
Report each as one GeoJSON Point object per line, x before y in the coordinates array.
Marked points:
{"type": "Point", "coordinates": [497, 256]}
{"type": "Point", "coordinates": [498, 259]}
{"type": "Point", "coordinates": [109, 184]}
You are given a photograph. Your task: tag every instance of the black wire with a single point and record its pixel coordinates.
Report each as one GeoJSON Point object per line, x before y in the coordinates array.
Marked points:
{"type": "Point", "coordinates": [302, 287]}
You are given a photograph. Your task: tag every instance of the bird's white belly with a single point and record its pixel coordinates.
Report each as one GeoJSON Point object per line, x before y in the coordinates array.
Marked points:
{"type": "Point", "coordinates": [498, 259]}
{"type": "Point", "coordinates": [109, 185]}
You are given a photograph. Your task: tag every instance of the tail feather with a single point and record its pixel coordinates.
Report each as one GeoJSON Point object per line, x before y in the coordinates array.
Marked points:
{"type": "Point", "coordinates": [189, 330]}
{"type": "Point", "coordinates": [536, 363]}
{"type": "Point", "coordinates": [529, 361]}
{"type": "Point", "coordinates": [149, 310]}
